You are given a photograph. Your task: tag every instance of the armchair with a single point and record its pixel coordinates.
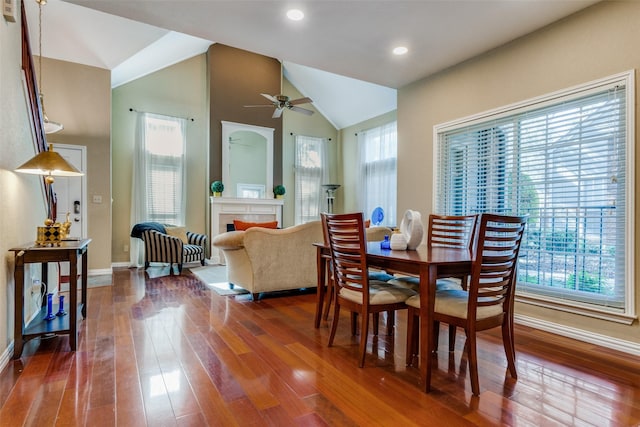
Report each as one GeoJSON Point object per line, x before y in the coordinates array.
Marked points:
{"type": "Point", "coordinates": [160, 246]}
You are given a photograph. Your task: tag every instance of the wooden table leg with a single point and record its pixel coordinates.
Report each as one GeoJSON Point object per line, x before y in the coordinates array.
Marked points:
{"type": "Point", "coordinates": [320, 291]}
{"type": "Point", "coordinates": [73, 299]}
{"type": "Point", "coordinates": [85, 282]}
{"type": "Point", "coordinates": [428, 277]}
{"type": "Point", "coordinates": [18, 319]}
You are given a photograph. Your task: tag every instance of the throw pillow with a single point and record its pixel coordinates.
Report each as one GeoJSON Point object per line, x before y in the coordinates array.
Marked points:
{"type": "Point", "coordinates": [180, 232]}
{"type": "Point", "coordinates": [242, 225]}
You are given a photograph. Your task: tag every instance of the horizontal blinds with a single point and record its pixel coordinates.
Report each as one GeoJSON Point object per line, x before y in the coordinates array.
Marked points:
{"type": "Point", "coordinates": [563, 164]}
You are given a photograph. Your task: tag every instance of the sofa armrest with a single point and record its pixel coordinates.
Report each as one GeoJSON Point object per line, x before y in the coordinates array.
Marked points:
{"type": "Point", "coordinates": [230, 240]}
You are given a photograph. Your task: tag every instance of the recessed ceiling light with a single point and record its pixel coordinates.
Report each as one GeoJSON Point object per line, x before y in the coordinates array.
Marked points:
{"type": "Point", "coordinates": [295, 14]}
{"type": "Point", "coordinates": [400, 50]}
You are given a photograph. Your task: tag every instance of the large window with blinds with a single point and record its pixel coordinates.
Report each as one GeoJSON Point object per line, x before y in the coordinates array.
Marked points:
{"type": "Point", "coordinates": [164, 158]}
{"type": "Point", "coordinates": [566, 161]}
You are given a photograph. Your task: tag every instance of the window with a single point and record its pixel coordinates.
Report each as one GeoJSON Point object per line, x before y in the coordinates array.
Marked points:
{"type": "Point", "coordinates": [311, 171]}
{"type": "Point", "coordinates": [564, 160]}
{"type": "Point", "coordinates": [160, 169]}
{"type": "Point", "coordinates": [377, 162]}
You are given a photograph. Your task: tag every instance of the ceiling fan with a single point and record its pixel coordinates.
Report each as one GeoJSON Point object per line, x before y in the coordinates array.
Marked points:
{"type": "Point", "coordinates": [282, 101]}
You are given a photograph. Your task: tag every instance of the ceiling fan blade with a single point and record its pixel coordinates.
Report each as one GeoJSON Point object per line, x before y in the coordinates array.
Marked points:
{"type": "Point", "coordinates": [301, 110]}
{"type": "Point", "coordinates": [277, 113]}
{"type": "Point", "coordinates": [270, 97]}
{"type": "Point", "coordinates": [300, 101]}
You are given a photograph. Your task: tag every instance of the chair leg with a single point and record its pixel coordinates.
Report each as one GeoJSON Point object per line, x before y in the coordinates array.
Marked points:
{"type": "Point", "coordinates": [452, 337]}
{"type": "Point", "coordinates": [202, 262]}
{"type": "Point", "coordinates": [507, 341]}
{"type": "Point", "coordinates": [180, 268]}
{"type": "Point", "coordinates": [329, 297]}
{"type": "Point", "coordinates": [376, 323]}
{"type": "Point", "coordinates": [391, 321]}
{"type": "Point", "coordinates": [334, 323]}
{"type": "Point", "coordinates": [436, 335]}
{"type": "Point", "coordinates": [146, 265]}
{"type": "Point", "coordinates": [473, 362]}
{"type": "Point", "coordinates": [364, 332]}
{"type": "Point", "coordinates": [412, 335]}
{"type": "Point", "coordinates": [354, 323]}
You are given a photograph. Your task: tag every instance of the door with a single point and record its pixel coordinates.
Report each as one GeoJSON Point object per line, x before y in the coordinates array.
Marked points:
{"type": "Point", "coordinates": [71, 191]}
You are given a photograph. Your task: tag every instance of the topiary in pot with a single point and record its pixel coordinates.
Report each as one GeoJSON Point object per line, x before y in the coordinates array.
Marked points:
{"type": "Point", "coordinates": [279, 191]}
{"type": "Point", "coordinates": [217, 187]}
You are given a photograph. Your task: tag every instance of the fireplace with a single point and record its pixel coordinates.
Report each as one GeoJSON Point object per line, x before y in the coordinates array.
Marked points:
{"type": "Point", "coordinates": [225, 209]}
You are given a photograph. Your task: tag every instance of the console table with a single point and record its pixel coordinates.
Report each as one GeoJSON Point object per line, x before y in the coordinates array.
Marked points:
{"type": "Point", "coordinates": [70, 251]}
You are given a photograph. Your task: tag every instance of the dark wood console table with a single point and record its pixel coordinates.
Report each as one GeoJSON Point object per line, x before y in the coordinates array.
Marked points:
{"type": "Point", "coordinates": [71, 251]}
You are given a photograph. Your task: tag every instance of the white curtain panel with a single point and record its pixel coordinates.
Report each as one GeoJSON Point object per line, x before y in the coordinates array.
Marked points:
{"type": "Point", "coordinates": [311, 171]}
{"type": "Point", "coordinates": [377, 177]}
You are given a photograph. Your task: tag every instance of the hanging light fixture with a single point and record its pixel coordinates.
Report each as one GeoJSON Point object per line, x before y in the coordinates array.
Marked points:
{"type": "Point", "coordinates": [49, 125]}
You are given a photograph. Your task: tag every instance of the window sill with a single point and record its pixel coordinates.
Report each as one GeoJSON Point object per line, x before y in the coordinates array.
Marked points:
{"type": "Point", "coordinates": [575, 308]}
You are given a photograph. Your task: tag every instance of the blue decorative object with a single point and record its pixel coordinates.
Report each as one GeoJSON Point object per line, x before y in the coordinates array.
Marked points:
{"type": "Point", "coordinates": [61, 311]}
{"type": "Point", "coordinates": [377, 216]}
{"type": "Point", "coordinates": [386, 243]}
{"type": "Point", "coordinates": [50, 315]}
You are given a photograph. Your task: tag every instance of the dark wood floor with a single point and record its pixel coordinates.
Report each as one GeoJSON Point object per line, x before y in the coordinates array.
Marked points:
{"type": "Point", "coordinates": [167, 351]}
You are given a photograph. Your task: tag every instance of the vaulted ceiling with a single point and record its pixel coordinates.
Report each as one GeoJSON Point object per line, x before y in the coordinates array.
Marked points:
{"type": "Point", "coordinates": [339, 54]}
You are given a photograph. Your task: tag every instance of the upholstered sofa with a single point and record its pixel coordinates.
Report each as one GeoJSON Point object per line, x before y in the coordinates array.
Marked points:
{"type": "Point", "coordinates": [172, 245]}
{"type": "Point", "coordinates": [267, 260]}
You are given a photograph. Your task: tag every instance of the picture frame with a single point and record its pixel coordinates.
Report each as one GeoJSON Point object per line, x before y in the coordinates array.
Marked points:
{"type": "Point", "coordinates": [9, 10]}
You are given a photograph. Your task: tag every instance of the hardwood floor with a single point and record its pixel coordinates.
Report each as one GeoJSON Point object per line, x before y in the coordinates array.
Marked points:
{"type": "Point", "coordinates": [167, 351]}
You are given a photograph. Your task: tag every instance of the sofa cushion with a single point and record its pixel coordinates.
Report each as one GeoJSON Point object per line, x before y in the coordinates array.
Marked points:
{"type": "Point", "coordinates": [242, 225]}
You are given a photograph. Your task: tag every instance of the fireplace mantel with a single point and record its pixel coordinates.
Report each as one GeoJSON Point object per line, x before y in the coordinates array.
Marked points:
{"type": "Point", "coordinates": [225, 209]}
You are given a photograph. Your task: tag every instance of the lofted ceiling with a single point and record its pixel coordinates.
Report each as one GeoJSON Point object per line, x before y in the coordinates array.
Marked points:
{"type": "Point", "coordinates": [339, 55]}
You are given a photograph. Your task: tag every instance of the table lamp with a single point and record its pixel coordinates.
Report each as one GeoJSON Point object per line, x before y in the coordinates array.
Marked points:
{"type": "Point", "coordinates": [49, 164]}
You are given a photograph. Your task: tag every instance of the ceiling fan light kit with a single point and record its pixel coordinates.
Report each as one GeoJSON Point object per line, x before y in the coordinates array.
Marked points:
{"type": "Point", "coordinates": [280, 102]}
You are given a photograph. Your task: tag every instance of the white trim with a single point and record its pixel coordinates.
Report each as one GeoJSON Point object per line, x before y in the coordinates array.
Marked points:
{"type": "Point", "coordinates": [576, 307]}
{"type": "Point", "coordinates": [125, 264]}
{"type": "Point", "coordinates": [100, 272]}
{"type": "Point", "coordinates": [579, 334]}
{"type": "Point", "coordinates": [230, 127]}
{"type": "Point", "coordinates": [6, 356]}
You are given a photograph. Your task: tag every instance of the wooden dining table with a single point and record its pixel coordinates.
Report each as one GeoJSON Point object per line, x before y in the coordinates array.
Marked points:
{"type": "Point", "coordinates": [427, 263]}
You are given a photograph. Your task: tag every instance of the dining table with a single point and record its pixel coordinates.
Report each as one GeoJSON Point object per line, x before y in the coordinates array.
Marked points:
{"type": "Point", "coordinates": [426, 263]}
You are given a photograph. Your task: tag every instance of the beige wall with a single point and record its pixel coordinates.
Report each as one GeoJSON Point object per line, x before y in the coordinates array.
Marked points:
{"type": "Point", "coordinates": [179, 90]}
{"type": "Point", "coordinates": [79, 97]}
{"type": "Point", "coordinates": [598, 42]}
{"type": "Point", "coordinates": [346, 196]}
{"type": "Point", "coordinates": [22, 206]}
{"type": "Point", "coordinates": [299, 124]}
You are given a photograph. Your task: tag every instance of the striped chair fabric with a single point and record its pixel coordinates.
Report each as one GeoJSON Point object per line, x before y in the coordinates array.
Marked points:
{"type": "Point", "coordinates": [160, 247]}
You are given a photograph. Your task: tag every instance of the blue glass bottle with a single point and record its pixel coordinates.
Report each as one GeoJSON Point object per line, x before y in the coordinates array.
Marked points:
{"type": "Point", "coordinates": [385, 244]}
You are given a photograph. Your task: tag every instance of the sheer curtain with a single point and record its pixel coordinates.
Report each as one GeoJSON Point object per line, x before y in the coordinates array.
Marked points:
{"type": "Point", "coordinates": [311, 171]}
{"type": "Point", "coordinates": [159, 174]}
{"type": "Point", "coordinates": [377, 163]}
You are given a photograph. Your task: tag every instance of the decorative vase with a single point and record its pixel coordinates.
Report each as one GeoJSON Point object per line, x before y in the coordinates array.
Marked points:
{"type": "Point", "coordinates": [217, 194]}
{"type": "Point", "coordinates": [279, 196]}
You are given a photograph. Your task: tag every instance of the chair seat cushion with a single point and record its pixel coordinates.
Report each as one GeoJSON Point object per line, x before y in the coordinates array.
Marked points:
{"type": "Point", "coordinates": [454, 302]}
{"type": "Point", "coordinates": [379, 293]}
{"type": "Point", "coordinates": [413, 282]}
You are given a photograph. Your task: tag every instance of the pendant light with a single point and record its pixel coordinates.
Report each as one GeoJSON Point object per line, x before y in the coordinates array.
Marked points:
{"type": "Point", "coordinates": [49, 125]}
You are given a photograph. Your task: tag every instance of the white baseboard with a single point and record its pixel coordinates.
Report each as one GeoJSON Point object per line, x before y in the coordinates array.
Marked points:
{"type": "Point", "coordinates": [5, 357]}
{"type": "Point", "coordinates": [579, 334]}
{"type": "Point", "coordinates": [119, 264]}
{"type": "Point", "coordinates": [99, 272]}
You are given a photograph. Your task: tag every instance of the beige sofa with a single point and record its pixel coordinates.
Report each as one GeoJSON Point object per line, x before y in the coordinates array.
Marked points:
{"type": "Point", "coordinates": [267, 260]}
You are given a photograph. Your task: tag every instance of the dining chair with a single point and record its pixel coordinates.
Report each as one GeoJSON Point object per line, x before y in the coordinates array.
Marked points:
{"type": "Point", "coordinates": [451, 231]}
{"type": "Point", "coordinates": [488, 301]}
{"type": "Point", "coordinates": [353, 290]}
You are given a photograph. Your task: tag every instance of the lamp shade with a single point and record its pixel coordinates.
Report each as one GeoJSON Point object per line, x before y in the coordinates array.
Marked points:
{"type": "Point", "coordinates": [49, 163]}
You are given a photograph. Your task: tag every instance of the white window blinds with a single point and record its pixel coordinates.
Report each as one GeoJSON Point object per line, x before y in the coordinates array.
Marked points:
{"type": "Point", "coordinates": [563, 161]}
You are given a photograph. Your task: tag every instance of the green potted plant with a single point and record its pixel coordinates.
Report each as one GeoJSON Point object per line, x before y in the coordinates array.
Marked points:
{"type": "Point", "coordinates": [217, 187]}
{"type": "Point", "coordinates": [279, 191]}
